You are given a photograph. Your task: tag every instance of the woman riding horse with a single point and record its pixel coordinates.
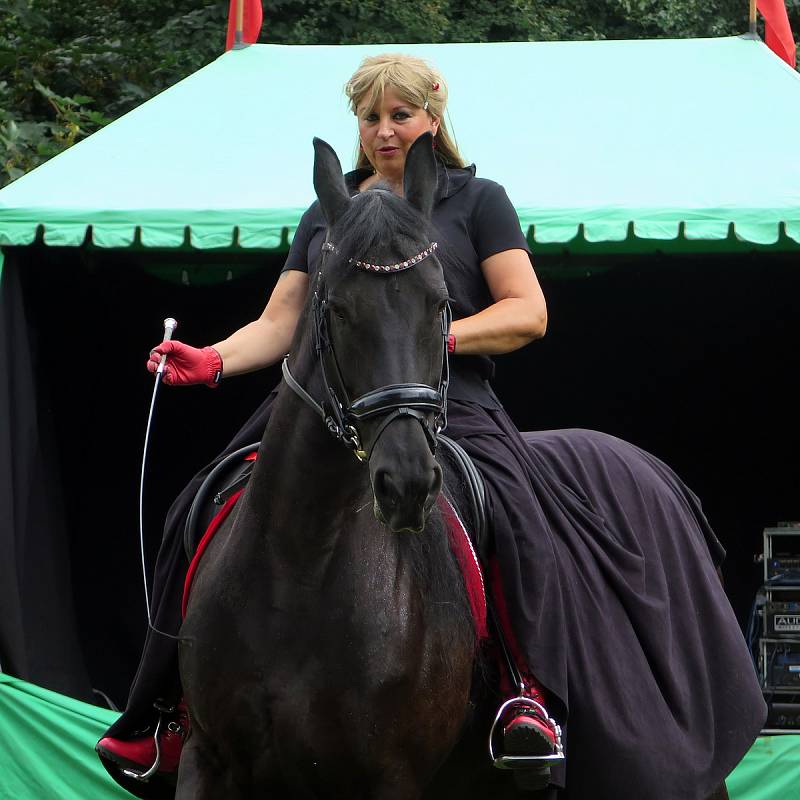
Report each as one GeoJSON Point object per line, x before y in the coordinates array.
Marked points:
{"type": "Point", "coordinates": [587, 561]}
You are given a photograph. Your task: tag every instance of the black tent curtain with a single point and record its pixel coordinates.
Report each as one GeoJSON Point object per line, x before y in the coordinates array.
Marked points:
{"type": "Point", "coordinates": [693, 359]}
{"type": "Point", "coordinates": [77, 324]}
{"type": "Point", "coordinates": [38, 631]}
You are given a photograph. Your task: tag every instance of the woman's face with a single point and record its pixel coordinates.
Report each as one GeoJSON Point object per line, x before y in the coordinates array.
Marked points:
{"type": "Point", "coordinates": [389, 129]}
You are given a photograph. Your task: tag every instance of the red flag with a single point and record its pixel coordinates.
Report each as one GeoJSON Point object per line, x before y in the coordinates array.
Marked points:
{"type": "Point", "coordinates": [251, 27]}
{"type": "Point", "coordinates": [778, 31]}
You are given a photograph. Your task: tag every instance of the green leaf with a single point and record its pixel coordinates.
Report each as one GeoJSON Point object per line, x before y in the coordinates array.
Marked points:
{"type": "Point", "coordinates": [42, 89]}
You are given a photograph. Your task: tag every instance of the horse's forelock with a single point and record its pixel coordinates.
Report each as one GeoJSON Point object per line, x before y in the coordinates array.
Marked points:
{"type": "Point", "coordinates": [379, 225]}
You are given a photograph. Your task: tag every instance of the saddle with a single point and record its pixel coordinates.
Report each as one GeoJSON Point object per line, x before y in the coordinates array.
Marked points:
{"type": "Point", "coordinates": [466, 492]}
{"type": "Point", "coordinates": [221, 489]}
{"type": "Point", "coordinates": [224, 484]}
{"type": "Point", "coordinates": [225, 479]}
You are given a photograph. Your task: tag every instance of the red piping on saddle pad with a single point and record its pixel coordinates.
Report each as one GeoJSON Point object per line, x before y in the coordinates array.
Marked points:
{"type": "Point", "coordinates": [460, 544]}
{"type": "Point", "coordinates": [204, 542]}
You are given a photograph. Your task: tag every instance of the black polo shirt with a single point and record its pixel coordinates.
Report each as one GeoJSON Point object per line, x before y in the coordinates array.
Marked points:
{"type": "Point", "coordinates": [473, 219]}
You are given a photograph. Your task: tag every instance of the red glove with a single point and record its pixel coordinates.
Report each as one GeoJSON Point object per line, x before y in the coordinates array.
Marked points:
{"type": "Point", "coordinates": [187, 365]}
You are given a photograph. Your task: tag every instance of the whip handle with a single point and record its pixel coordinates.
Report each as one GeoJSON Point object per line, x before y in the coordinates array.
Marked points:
{"type": "Point", "coordinates": [169, 328]}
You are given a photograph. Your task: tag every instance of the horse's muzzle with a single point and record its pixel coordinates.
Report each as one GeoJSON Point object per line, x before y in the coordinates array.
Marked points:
{"type": "Point", "coordinates": [406, 479]}
{"type": "Point", "coordinates": [404, 505]}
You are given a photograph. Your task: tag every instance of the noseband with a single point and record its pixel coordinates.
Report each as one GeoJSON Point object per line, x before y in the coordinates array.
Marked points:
{"type": "Point", "coordinates": [342, 415]}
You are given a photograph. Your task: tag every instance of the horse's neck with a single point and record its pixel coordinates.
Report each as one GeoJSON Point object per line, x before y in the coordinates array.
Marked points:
{"type": "Point", "coordinates": [304, 479]}
{"type": "Point", "coordinates": [314, 541]}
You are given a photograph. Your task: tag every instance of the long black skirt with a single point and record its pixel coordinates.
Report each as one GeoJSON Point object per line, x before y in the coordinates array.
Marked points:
{"type": "Point", "coordinates": [609, 572]}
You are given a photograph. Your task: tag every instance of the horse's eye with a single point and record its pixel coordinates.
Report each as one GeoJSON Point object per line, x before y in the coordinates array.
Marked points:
{"type": "Point", "coordinates": [338, 313]}
{"type": "Point", "coordinates": [343, 310]}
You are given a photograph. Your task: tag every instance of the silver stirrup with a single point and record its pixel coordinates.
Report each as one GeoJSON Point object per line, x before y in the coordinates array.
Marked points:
{"type": "Point", "coordinates": [145, 776]}
{"type": "Point", "coordinates": [526, 762]}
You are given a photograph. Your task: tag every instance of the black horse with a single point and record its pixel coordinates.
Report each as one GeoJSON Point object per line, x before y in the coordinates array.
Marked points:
{"type": "Point", "coordinates": [328, 649]}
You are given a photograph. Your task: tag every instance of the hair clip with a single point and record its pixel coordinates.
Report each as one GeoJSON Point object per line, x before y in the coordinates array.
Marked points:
{"type": "Point", "coordinates": [425, 106]}
{"type": "Point", "coordinates": [435, 87]}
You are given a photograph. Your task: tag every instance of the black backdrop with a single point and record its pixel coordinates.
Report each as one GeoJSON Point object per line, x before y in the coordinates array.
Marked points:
{"type": "Point", "coordinates": [691, 358]}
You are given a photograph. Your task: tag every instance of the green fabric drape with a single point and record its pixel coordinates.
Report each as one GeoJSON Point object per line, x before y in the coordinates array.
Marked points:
{"type": "Point", "coordinates": [770, 771]}
{"type": "Point", "coordinates": [47, 746]}
{"type": "Point", "coordinates": [47, 741]}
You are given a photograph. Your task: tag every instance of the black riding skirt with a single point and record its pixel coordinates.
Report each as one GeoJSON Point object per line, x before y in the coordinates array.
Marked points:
{"type": "Point", "coordinates": [609, 572]}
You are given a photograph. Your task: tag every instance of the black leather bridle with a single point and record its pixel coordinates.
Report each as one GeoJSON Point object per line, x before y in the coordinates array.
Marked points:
{"type": "Point", "coordinates": [343, 415]}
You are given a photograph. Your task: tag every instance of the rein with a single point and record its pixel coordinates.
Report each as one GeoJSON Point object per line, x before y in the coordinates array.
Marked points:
{"type": "Point", "coordinates": [342, 415]}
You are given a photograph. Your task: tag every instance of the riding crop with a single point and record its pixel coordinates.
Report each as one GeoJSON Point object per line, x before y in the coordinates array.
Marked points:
{"type": "Point", "coordinates": [169, 328]}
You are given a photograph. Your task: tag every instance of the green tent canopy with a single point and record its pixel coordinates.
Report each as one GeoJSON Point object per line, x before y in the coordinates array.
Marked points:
{"type": "Point", "coordinates": [617, 146]}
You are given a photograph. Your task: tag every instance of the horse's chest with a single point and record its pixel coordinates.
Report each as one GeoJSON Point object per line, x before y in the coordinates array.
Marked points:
{"type": "Point", "coordinates": [330, 678]}
{"type": "Point", "coordinates": [357, 633]}
{"type": "Point", "coordinates": [323, 667]}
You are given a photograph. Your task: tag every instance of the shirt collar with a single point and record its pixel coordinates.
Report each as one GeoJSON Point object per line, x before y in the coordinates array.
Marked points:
{"type": "Point", "coordinates": [450, 180]}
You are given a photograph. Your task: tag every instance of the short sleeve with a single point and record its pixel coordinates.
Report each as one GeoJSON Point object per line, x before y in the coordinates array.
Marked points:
{"type": "Point", "coordinates": [298, 250]}
{"type": "Point", "coordinates": [495, 224]}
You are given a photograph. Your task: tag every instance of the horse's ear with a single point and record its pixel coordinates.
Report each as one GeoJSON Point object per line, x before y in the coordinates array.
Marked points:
{"type": "Point", "coordinates": [419, 178]}
{"type": "Point", "coordinates": [329, 182]}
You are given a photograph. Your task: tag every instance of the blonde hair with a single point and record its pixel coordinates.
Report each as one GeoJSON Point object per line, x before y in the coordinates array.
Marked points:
{"type": "Point", "coordinates": [417, 83]}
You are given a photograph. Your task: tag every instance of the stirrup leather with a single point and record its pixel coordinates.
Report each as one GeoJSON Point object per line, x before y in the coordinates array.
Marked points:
{"type": "Point", "coordinates": [526, 762]}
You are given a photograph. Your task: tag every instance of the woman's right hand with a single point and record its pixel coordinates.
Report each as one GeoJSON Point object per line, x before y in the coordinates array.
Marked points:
{"type": "Point", "coordinates": [186, 365]}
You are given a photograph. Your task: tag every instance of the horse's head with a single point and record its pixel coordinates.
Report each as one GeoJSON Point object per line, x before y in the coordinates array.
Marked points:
{"type": "Point", "coordinates": [381, 316]}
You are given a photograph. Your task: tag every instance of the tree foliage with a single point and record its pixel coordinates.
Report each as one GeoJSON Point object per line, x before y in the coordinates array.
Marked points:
{"type": "Point", "coordinates": [68, 68]}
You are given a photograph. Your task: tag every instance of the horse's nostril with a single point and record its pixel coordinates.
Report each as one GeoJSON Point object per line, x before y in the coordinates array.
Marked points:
{"type": "Point", "coordinates": [385, 488]}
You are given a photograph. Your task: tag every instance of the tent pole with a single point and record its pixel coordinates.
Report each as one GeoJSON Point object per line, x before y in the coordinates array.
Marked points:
{"type": "Point", "coordinates": [752, 17]}
{"type": "Point", "coordinates": [238, 37]}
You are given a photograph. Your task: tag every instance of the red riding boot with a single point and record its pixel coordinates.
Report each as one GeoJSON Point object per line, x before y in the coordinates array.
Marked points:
{"type": "Point", "coordinates": [528, 729]}
{"type": "Point", "coordinates": [531, 738]}
{"type": "Point", "coordinates": [145, 756]}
